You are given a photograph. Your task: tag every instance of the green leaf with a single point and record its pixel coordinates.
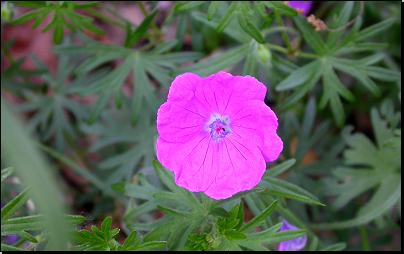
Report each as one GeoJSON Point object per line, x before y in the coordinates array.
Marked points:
{"type": "Point", "coordinates": [277, 187]}
{"type": "Point", "coordinates": [259, 6]}
{"type": "Point", "coordinates": [92, 178]}
{"type": "Point", "coordinates": [130, 240]}
{"type": "Point", "coordinates": [382, 73]}
{"type": "Point", "coordinates": [374, 165]}
{"type": "Point", "coordinates": [300, 76]}
{"type": "Point", "coordinates": [227, 59]}
{"type": "Point", "coordinates": [268, 236]}
{"type": "Point", "coordinates": [374, 30]}
{"type": "Point", "coordinates": [249, 28]}
{"type": "Point", "coordinates": [141, 29]}
{"type": "Point", "coordinates": [259, 219]}
{"type": "Point", "coordinates": [167, 178]}
{"type": "Point", "coordinates": [388, 188]}
{"type": "Point", "coordinates": [187, 5]}
{"type": "Point", "coordinates": [360, 47]}
{"type": "Point", "coordinates": [213, 7]}
{"type": "Point", "coordinates": [279, 169]}
{"type": "Point", "coordinates": [236, 196]}
{"type": "Point", "coordinates": [224, 22]}
{"type": "Point", "coordinates": [357, 73]}
{"type": "Point", "coordinates": [21, 234]}
{"type": "Point", "coordinates": [30, 4]}
{"type": "Point", "coordinates": [106, 225]}
{"type": "Point", "coordinates": [34, 222]}
{"type": "Point", "coordinates": [334, 247]}
{"type": "Point", "coordinates": [6, 173]}
{"type": "Point", "coordinates": [282, 8]}
{"type": "Point", "coordinates": [148, 246]}
{"type": "Point", "coordinates": [332, 89]}
{"type": "Point", "coordinates": [232, 30]}
{"type": "Point", "coordinates": [58, 34]}
{"type": "Point", "coordinates": [14, 205]}
{"type": "Point", "coordinates": [107, 85]}
{"type": "Point", "coordinates": [234, 235]}
{"type": "Point", "coordinates": [167, 228]}
{"type": "Point", "coordinates": [314, 244]}
{"type": "Point", "coordinates": [6, 247]}
{"type": "Point", "coordinates": [91, 27]}
{"type": "Point", "coordinates": [59, 21]}
{"type": "Point", "coordinates": [220, 212]}
{"type": "Point", "coordinates": [340, 21]}
{"type": "Point", "coordinates": [172, 212]}
{"type": "Point", "coordinates": [27, 17]}
{"type": "Point", "coordinates": [312, 37]}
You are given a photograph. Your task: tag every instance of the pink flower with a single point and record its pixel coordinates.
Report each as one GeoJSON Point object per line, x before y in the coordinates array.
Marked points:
{"type": "Point", "coordinates": [217, 133]}
{"type": "Point", "coordinates": [303, 6]}
{"type": "Point", "coordinates": [292, 245]}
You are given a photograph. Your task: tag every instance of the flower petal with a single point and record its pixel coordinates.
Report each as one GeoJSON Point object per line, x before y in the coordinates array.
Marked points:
{"type": "Point", "coordinates": [240, 167]}
{"type": "Point", "coordinates": [184, 86]}
{"type": "Point", "coordinates": [179, 123]}
{"type": "Point", "coordinates": [258, 123]}
{"type": "Point", "coordinates": [190, 161]}
{"type": "Point", "coordinates": [222, 93]}
{"type": "Point", "coordinates": [182, 117]}
{"type": "Point", "coordinates": [292, 245]}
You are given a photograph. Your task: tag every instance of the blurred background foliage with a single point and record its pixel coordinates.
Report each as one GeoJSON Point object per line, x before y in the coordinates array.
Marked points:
{"type": "Point", "coordinates": [86, 79]}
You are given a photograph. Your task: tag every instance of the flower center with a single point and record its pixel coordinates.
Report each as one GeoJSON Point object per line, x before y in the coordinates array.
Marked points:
{"type": "Point", "coordinates": [218, 130]}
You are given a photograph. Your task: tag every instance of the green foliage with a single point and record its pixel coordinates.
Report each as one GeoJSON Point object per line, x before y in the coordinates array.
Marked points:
{"type": "Point", "coordinates": [102, 240]}
{"type": "Point", "coordinates": [305, 78]}
{"type": "Point", "coordinates": [243, 12]}
{"type": "Point", "coordinates": [59, 10]}
{"type": "Point", "coordinates": [368, 165]}
{"type": "Point", "coordinates": [339, 171]}
{"type": "Point", "coordinates": [220, 229]}
{"type": "Point", "coordinates": [53, 105]}
{"type": "Point", "coordinates": [141, 63]}
{"type": "Point", "coordinates": [20, 225]}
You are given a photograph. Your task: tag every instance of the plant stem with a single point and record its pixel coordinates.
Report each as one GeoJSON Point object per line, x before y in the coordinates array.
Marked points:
{"type": "Point", "coordinates": [107, 19]}
{"type": "Point", "coordinates": [365, 238]}
{"type": "Point", "coordinates": [285, 51]}
{"type": "Point", "coordinates": [285, 35]}
{"type": "Point", "coordinates": [153, 26]}
{"type": "Point", "coordinates": [115, 14]}
{"type": "Point", "coordinates": [306, 55]}
{"type": "Point", "coordinates": [103, 17]}
{"type": "Point", "coordinates": [277, 48]}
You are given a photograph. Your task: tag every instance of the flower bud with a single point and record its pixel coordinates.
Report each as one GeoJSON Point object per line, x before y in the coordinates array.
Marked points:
{"type": "Point", "coordinates": [264, 54]}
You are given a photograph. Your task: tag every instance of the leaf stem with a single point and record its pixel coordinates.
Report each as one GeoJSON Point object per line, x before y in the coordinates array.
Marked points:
{"type": "Point", "coordinates": [277, 48]}
{"type": "Point", "coordinates": [306, 55]}
{"type": "Point", "coordinates": [285, 51]}
{"type": "Point", "coordinates": [285, 35]}
{"type": "Point", "coordinates": [115, 14]}
{"type": "Point", "coordinates": [365, 238]}
{"type": "Point", "coordinates": [105, 18]}
{"type": "Point", "coordinates": [153, 26]}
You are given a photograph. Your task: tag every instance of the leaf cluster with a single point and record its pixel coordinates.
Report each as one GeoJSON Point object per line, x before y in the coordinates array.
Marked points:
{"type": "Point", "coordinates": [244, 14]}
{"type": "Point", "coordinates": [330, 58]}
{"type": "Point", "coordinates": [22, 225]}
{"type": "Point", "coordinates": [60, 9]}
{"type": "Point", "coordinates": [102, 240]}
{"type": "Point", "coordinates": [218, 228]}
{"type": "Point", "coordinates": [154, 62]}
{"type": "Point", "coordinates": [367, 166]}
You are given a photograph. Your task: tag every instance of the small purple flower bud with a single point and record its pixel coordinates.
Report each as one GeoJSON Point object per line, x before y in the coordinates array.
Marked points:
{"type": "Point", "coordinates": [292, 245]}
{"type": "Point", "coordinates": [304, 6]}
